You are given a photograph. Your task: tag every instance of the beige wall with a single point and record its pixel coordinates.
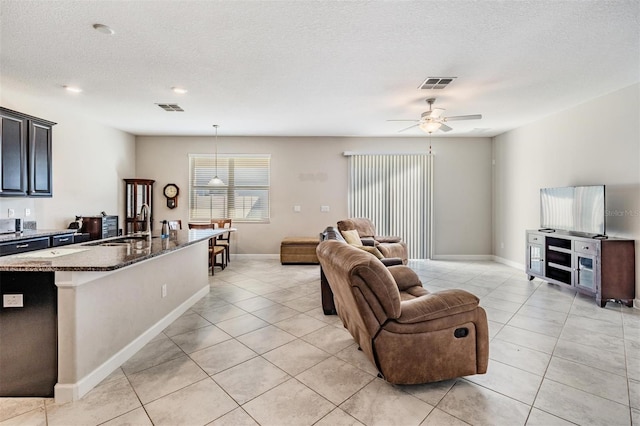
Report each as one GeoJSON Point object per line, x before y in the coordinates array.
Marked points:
{"type": "Point", "coordinates": [312, 172]}
{"type": "Point", "coordinates": [597, 142]}
{"type": "Point", "coordinates": [89, 162]}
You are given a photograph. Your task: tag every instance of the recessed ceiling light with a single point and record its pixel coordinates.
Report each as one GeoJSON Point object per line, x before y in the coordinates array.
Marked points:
{"type": "Point", "coordinates": [72, 89]}
{"type": "Point", "coordinates": [104, 29]}
{"type": "Point", "coordinates": [179, 90]}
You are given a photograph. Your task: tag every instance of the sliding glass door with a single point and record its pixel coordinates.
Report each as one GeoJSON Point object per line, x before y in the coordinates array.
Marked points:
{"type": "Point", "coordinates": [394, 191]}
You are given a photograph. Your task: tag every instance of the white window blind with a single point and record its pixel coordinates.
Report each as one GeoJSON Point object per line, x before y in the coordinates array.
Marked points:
{"type": "Point", "coordinates": [394, 191]}
{"type": "Point", "coordinates": [245, 196]}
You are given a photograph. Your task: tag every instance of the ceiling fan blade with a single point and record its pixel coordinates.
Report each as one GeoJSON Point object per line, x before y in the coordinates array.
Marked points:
{"type": "Point", "coordinates": [445, 128]}
{"type": "Point", "coordinates": [464, 117]}
{"type": "Point", "coordinates": [410, 127]}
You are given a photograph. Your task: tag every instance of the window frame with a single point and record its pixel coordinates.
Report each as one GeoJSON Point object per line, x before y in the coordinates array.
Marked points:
{"type": "Point", "coordinates": [226, 169]}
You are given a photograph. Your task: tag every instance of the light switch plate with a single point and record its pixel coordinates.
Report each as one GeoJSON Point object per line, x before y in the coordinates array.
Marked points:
{"type": "Point", "coordinates": [324, 208]}
{"type": "Point", "coordinates": [12, 301]}
{"type": "Point", "coordinates": [297, 209]}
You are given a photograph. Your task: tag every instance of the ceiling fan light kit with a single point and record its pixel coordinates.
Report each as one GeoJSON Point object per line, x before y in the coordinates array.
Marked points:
{"type": "Point", "coordinates": [432, 120]}
{"type": "Point", "coordinates": [430, 126]}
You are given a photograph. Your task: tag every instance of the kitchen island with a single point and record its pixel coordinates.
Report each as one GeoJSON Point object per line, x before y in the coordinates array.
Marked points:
{"type": "Point", "coordinates": [102, 300]}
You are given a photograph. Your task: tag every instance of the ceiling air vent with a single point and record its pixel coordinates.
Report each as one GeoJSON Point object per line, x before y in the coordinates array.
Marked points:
{"type": "Point", "coordinates": [436, 82]}
{"type": "Point", "coordinates": [171, 107]}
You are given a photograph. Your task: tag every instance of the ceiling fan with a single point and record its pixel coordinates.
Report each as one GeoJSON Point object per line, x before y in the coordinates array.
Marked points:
{"type": "Point", "coordinates": [432, 120]}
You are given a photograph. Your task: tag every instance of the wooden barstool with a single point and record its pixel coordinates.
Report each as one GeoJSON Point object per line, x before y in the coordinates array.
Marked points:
{"type": "Point", "coordinates": [224, 239]}
{"type": "Point", "coordinates": [214, 250]}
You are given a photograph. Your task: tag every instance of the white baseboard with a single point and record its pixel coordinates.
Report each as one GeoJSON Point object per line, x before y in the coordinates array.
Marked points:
{"type": "Point", "coordinates": [275, 256]}
{"type": "Point", "coordinates": [479, 257]}
{"type": "Point", "coordinates": [636, 303]}
{"type": "Point", "coordinates": [508, 262]}
{"type": "Point", "coordinates": [474, 257]}
{"type": "Point", "coordinates": [74, 391]}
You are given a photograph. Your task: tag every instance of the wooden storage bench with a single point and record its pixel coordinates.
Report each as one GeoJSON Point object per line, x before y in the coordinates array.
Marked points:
{"type": "Point", "coordinates": [299, 250]}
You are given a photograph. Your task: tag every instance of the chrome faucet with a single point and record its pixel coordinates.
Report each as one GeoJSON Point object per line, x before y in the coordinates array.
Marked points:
{"type": "Point", "coordinates": [145, 212]}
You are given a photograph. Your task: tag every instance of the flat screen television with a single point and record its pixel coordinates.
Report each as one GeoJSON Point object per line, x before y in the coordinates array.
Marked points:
{"type": "Point", "coordinates": [578, 209]}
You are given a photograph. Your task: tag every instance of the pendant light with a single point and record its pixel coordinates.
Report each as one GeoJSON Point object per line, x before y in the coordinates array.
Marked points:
{"type": "Point", "coordinates": [216, 181]}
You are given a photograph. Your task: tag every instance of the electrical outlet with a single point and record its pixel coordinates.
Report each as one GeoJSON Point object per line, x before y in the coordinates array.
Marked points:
{"type": "Point", "coordinates": [164, 290]}
{"type": "Point", "coordinates": [324, 209]}
{"type": "Point", "coordinates": [12, 301]}
{"type": "Point", "coordinates": [297, 209]}
{"type": "Point", "coordinates": [12, 213]}
{"type": "Point", "coordinates": [27, 212]}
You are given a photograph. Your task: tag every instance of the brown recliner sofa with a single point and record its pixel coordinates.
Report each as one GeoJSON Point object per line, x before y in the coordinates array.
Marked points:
{"type": "Point", "coordinates": [389, 246]}
{"type": "Point", "coordinates": [328, 305]}
{"type": "Point", "coordinates": [410, 335]}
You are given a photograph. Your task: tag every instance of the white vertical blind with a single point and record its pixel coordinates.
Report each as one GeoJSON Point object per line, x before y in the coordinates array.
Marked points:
{"type": "Point", "coordinates": [394, 191]}
{"type": "Point", "coordinates": [245, 196]}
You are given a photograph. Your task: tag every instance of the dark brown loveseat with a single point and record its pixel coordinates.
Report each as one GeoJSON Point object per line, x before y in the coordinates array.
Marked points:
{"type": "Point", "coordinates": [410, 335]}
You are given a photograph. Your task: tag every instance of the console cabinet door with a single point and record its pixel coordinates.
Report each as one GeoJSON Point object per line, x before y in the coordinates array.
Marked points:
{"type": "Point", "coordinates": [13, 155]}
{"type": "Point", "coordinates": [584, 274]}
{"type": "Point", "coordinates": [535, 255]}
{"type": "Point", "coordinates": [536, 259]}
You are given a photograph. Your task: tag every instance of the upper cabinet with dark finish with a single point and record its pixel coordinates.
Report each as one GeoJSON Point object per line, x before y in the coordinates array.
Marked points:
{"type": "Point", "coordinates": [25, 155]}
{"type": "Point", "coordinates": [13, 155]}
{"type": "Point", "coordinates": [40, 159]}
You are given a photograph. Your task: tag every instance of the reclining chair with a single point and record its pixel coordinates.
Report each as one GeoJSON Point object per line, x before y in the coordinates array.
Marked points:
{"type": "Point", "coordinates": [389, 246]}
{"type": "Point", "coordinates": [331, 233]}
{"type": "Point", "coordinates": [410, 335]}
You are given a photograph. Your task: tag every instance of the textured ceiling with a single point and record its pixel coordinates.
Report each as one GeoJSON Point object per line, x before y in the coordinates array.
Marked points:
{"type": "Point", "coordinates": [317, 68]}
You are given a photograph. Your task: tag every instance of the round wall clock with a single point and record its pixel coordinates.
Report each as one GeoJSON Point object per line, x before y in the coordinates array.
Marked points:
{"type": "Point", "coordinates": [171, 191]}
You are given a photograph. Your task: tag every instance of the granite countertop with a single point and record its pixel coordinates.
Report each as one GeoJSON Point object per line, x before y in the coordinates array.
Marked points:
{"type": "Point", "coordinates": [104, 255]}
{"type": "Point", "coordinates": [34, 233]}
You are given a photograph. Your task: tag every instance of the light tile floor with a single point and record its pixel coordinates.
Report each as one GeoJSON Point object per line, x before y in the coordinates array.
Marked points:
{"type": "Point", "coordinates": [258, 350]}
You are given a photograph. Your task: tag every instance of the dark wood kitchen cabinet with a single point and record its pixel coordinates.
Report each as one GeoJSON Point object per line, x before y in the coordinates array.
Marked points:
{"type": "Point", "coordinates": [24, 245]}
{"type": "Point", "coordinates": [25, 155]}
{"type": "Point", "coordinates": [39, 150]}
{"type": "Point", "coordinates": [13, 155]}
{"type": "Point", "coordinates": [29, 334]}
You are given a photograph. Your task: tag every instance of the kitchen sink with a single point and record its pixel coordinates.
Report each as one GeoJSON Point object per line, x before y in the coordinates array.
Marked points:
{"type": "Point", "coordinates": [122, 242]}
